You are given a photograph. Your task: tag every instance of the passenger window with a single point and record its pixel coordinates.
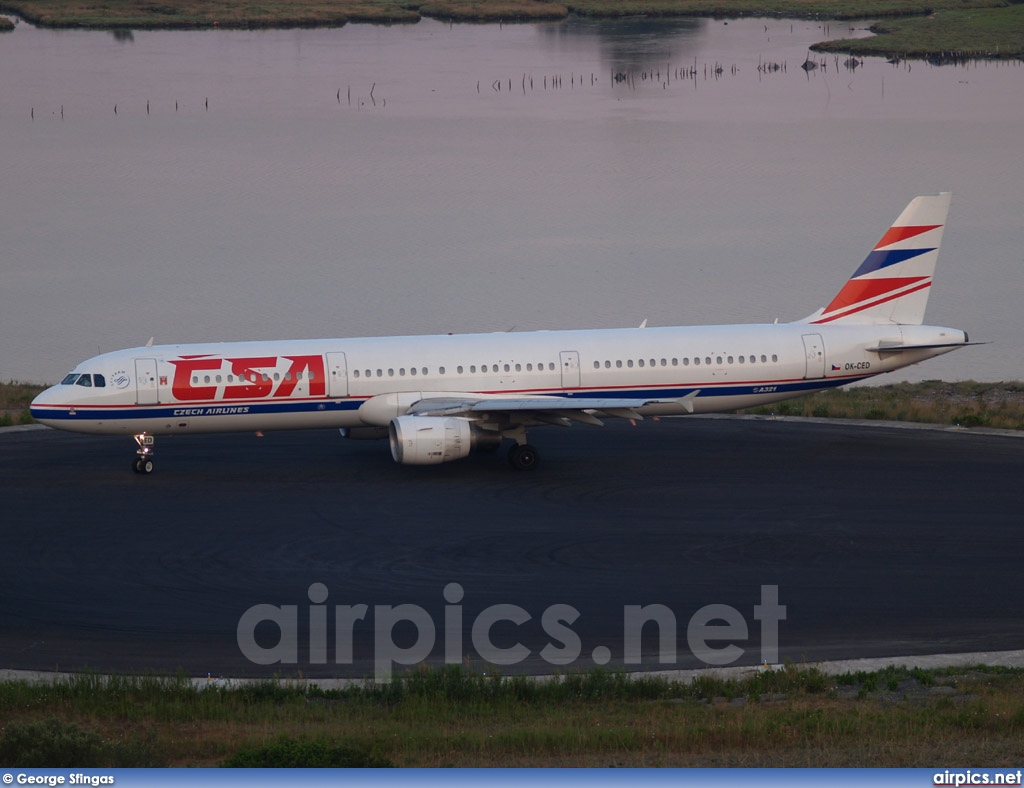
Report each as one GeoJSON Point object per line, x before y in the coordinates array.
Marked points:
{"type": "Point", "coordinates": [629, 363]}
{"type": "Point", "coordinates": [696, 361]}
{"type": "Point", "coordinates": [640, 362]}
{"type": "Point", "coordinates": [686, 362]}
{"type": "Point", "coordinates": [508, 368]}
{"type": "Point", "coordinates": [472, 368]}
{"type": "Point", "coordinates": [519, 367]}
{"type": "Point", "coordinates": [618, 364]}
{"type": "Point", "coordinates": [742, 360]}
{"type": "Point", "coordinates": [718, 360]}
{"type": "Point", "coordinates": [355, 373]}
{"type": "Point", "coordinates": [774, 357]}
{"type": "Point", "coordinates": [440, 370]}
{"type": "Point", "coordinates": [730, 359]}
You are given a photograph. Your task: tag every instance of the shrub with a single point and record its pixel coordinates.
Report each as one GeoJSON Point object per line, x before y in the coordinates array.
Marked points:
{"type": "Point", "coordinates": [303, 753]}
{"type": "Point", "coordinates": [51, 743]}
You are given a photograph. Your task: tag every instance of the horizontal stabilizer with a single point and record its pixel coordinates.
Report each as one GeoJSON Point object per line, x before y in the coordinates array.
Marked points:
{"type": "Point", "coordinates": [905, 348]}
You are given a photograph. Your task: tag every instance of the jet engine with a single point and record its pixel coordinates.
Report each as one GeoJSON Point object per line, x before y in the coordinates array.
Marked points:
{"type": "Point", "coordinates": [429, 440]}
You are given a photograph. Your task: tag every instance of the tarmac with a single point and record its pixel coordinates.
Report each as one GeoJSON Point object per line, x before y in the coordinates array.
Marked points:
{"type": "Point", "coordinates": [882, 542]}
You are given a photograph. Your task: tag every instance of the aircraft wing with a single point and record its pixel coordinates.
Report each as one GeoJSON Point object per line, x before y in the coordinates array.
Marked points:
{"type": "Point", "coordinates": [557, 410]}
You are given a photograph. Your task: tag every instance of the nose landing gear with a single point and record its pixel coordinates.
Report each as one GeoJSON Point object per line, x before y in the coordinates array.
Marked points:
{"type": "Point", "coordinates": [144, 456]}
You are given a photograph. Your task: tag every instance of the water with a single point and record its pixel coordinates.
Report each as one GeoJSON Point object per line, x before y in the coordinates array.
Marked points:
{"type": "Point", "coordinates": [229, 185]}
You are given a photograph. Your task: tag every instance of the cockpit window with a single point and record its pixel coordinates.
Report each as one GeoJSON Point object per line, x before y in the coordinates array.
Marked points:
{"type": "Point", "coordinates": [87, 380]}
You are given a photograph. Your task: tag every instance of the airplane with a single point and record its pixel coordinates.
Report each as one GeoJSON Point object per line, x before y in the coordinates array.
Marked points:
{"type": "Point", "coordinates": [441, 398]}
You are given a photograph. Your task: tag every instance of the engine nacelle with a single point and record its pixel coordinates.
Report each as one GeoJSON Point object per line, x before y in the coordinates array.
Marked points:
{"type": "Point", "coordinates": [429, 440]}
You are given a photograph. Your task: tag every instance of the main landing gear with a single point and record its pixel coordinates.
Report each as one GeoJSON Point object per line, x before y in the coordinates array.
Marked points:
{"type": "Point", "coordinates": [144, 456]}
{"type": "Point", "coordinates": [523, 457]}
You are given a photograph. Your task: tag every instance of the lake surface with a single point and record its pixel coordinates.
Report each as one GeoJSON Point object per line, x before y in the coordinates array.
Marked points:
{"type": "Point", "coordinates": [229, 185]}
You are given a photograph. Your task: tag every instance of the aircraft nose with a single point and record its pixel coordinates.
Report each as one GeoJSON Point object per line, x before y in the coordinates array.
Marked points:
{"type": "Point", "coordinates": [43, 400]}
{"type": "Point", "coordinates": [44, 397]}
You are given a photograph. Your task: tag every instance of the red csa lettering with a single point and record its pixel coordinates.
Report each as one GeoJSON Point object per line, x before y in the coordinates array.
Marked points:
{"type": "Point", "coordinates": [182, 388]}
{"type": "Point", "coordinates": [317, 379]}
{"type": "Point", "coordinates": [256, 383]}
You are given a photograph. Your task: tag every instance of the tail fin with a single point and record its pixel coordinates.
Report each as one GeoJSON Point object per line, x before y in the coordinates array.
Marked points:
{"type": "Point", "coordinates": [893, 283]}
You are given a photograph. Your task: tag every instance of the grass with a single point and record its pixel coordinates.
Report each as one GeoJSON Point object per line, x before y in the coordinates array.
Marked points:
{"type": "Point", "coordinates": [453, 717]}
{"type": "Point", "coordinates": [14, 401]}
{"type": "Point", "coordinates": [983, 28]}
{"type": "Point", "coordinates": [948, 36]}
{"type": "Point", "coordinates": [964, 404]}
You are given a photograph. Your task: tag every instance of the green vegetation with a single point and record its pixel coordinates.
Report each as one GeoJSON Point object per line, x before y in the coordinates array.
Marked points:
{"type": "Point", "coordinates": [973, 28]}
{"type": "Point", "coordinates": [14, 401]}
{"type": "Point", "coordinates": [453, 717]}
{"type": "Point", "coordinates": [944, 37]}
{"type": "Point", "coordinates": [967, 404]}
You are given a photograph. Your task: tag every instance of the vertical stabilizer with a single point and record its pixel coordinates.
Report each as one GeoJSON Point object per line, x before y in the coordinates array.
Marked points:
{"type": "Point", "coordinates": [893, 282]}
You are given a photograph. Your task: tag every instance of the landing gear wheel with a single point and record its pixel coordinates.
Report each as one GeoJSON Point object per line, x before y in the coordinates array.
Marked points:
{"type": "Point", "coordinates": [523, 457]}
{"type": "Point", "coordinates": [144, 456]}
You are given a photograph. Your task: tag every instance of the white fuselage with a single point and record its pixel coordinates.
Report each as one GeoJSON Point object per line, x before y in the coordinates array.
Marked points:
{"type": "Point", "coordinates": [349, 383]}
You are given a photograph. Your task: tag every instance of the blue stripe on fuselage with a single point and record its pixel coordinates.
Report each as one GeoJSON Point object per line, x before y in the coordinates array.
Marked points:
{"type": "Point", "coordinates": [220, 409]}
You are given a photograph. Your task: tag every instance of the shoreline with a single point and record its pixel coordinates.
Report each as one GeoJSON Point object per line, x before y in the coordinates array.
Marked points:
{"type": "Point", "coordinates": [943, 31]}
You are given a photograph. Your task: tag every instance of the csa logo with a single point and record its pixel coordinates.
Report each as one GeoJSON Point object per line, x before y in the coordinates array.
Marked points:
{"type": "Point", "coordinates": [120, 379]}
